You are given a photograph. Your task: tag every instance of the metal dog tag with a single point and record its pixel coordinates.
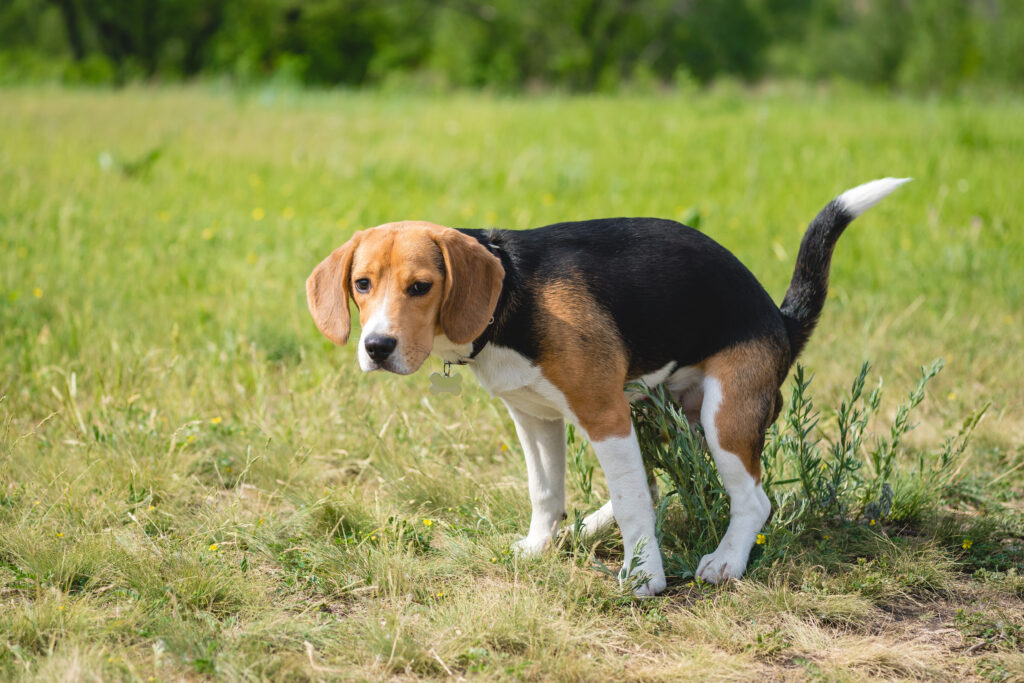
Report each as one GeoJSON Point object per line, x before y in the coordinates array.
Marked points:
{"type": "Point", "coordinates": [447, 383]}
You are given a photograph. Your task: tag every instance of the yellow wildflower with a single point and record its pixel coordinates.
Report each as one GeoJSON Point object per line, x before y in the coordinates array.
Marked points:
{"type": "Point", "coordinates": [967, 544]}
{"type": "Point", "coordinates": [493, 560]}
{"type": "Point", "coordinates": [60, 534]}
{"type": "Point", "coordinates": [258, 213]}
{"type": "Point", "coordinates": [871, 523]}
{"type": "Point", "coordinates": [428, 523]}
{"type": "Point", "coordinates": [260, 522]}
{"type": "Point", "coordinates": [761, 538]}
{"type": "Point", "coordinates": [35, 502]}
{"type": "Point", "coordinates": [151, 508]}
{"type": "Point", "coordinates": [287, 213]}
{"type": "Point", "coordinates": [37, 293]}
{"type": "Point", "coordinates": [214, 546]}
{"type": "Point", "coordinates": [216, 420]}
{"type": "Point", "coordinates": [207, 234]}
{"type": "Point", "coordinates": [60, 608]}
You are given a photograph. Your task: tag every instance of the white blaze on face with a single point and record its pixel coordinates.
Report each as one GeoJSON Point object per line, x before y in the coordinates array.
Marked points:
{"type": "Point", "coordinates": [380, 323]}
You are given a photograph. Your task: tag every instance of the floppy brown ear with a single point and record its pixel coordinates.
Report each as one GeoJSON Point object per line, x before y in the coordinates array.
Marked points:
{"type": "Point", "coordinates": [471, 288]}
{"type": "Point", "coordinates": [328, 290]}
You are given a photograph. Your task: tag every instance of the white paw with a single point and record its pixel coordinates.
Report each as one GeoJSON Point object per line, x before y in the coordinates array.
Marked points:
{"type": "Point", "coordinates": [722, 565]}
{"type": "Point", "coordinates": [651, 588]}
{"type": "Point", "coordinates": [531, 546]}
{"type": "Point", "coordinates": [648, 577]}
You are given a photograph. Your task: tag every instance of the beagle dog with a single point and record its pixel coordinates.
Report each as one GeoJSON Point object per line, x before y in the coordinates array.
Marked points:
{"type": "Point", "coordinates": [556, 321]}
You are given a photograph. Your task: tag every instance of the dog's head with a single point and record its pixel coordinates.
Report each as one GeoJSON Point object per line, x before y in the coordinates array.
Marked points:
{"type": "Point", "coordinates": [411, 281]}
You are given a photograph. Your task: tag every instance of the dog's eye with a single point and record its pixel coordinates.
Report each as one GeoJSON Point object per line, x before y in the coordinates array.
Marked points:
{"type": "Point", "coordinates": [362, 285]}
{"type": "Point", "coordinates": [419, 288]}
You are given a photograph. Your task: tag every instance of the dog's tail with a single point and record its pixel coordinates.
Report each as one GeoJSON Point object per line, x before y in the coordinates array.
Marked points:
{"type": "Point", "coordinates": [806, 294]}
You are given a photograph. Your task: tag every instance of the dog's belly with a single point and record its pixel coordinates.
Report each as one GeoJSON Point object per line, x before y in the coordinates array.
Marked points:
{"type": "Point", "coordinates": [535, 403]}
{"type": "Point", "coordinates": [512, 377]}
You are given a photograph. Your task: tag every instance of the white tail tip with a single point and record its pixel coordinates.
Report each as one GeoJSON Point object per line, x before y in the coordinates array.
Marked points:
{"type": "Point", "coordinates": [863, 197]}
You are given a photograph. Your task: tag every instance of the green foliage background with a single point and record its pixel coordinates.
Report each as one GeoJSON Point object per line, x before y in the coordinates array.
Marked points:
{"type": "Point", "coordinates": [507, 44]}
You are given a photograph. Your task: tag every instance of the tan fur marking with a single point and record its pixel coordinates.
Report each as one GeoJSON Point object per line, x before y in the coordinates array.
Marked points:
{"type": "Point", "coordinates": [472, 286]}
{"type": "Point", "coordinates": [583, 355]}
{"type": "Point", "coordinates": [328, 290]}
{"type": "Point", "coordinates": [748, 373]}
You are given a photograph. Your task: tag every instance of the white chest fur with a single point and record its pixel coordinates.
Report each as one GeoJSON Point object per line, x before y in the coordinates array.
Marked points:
{"type": "Point", "coordinates": [510, 376]}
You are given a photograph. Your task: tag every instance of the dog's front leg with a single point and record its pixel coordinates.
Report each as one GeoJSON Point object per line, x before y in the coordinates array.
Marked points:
{"type": "Point", "coordinates": [544, 446]}
{"type": "Point", "coordinates": [633, 509]}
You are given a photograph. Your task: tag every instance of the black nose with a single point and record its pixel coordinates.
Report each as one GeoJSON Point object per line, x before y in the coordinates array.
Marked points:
{"type": "Point", "coordinates": [380, 347]}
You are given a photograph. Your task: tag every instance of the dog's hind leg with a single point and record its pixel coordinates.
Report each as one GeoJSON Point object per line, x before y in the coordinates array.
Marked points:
{"type": "Point", "coordinates": [739, 403]}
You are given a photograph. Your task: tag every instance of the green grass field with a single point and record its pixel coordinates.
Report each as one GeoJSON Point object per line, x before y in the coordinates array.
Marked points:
{"type": "Point", "coordinates": [194, 483]}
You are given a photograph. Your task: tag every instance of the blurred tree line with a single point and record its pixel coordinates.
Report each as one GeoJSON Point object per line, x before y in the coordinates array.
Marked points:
{"type": "Point", "coordinates": [512, 44]}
